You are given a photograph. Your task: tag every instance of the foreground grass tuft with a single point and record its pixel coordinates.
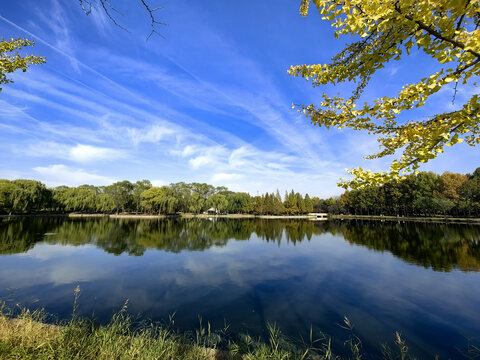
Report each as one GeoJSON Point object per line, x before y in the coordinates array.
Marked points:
{"type": "Point", "coordinates": [28, 336]}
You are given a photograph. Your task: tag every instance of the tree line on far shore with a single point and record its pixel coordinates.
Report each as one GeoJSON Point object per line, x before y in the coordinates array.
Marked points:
{"type": "Point", "coordinates": [421, 194]}
{"type": "Point", "coordinates": [31, 196]}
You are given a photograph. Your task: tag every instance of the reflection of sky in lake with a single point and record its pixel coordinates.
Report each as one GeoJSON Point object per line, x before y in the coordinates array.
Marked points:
{"type": "Point", "coordinates": [247, 283]}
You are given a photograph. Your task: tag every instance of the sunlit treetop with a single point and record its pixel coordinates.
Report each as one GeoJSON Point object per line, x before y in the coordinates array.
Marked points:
{"type": "Point", "coordinates": [11, 60]}
{"type": "Point", "coordinates": [446, 30]}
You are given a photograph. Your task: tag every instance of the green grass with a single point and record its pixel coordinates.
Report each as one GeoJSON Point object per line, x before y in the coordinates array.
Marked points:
{"type": "Point", "coordinates": [27, 335]}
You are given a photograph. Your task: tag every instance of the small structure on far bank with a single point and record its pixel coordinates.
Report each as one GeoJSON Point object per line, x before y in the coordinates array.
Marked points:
{"type": "Point", "coordinates": [319, 216]}
{"type": "Point", "coordinates": [211, 211]}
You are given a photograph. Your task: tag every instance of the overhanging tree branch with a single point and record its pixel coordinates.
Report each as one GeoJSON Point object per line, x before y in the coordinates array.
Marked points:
{"type": "Point", "coordinates": [107, 8]}
{"type": "Point", "coordinates": [436, 34]}
{"type": "Point", "coordinates": [443, 30]}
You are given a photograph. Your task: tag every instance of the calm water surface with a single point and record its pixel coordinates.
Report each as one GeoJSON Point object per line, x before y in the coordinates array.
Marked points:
{"type": "Point", "coordinates": [422, 280]}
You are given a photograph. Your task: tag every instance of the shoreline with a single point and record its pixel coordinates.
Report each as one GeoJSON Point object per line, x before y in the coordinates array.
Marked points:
{"type": "Point", "coordinates": [151, 216]}
{"type": "Point", "coordinates": [28, 334]}
{"type": "Point", "coordinates": [252, 216]}
{"type": "Point", "coordinates": [33, 328]}
{"type": "Point", "coordinates": [408, 218]}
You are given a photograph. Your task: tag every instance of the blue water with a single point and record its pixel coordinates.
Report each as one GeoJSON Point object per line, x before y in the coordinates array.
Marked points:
{"type": "Point", "coordinates": [421, 280]}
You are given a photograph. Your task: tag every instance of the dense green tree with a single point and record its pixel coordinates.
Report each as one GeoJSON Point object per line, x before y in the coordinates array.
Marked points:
{"type": "Point", "coordinates": [259, 205]}
{"type": "Point", "coordinates": [121, 193]}
{"type": "Point", "coordinates": [308, 204]}
{"type": "Point", "coordinates": [81, 198]}
{"type": "Point", "coordinates": [392, 197]}
{"type": "Point", "coordinates": [30, 196]}
{"type": "Point", "coordinates": [300, 203]}
{"type": "Point", "coordinates": [197, 203]}
{"type": "Point", "coordinates": [183, 192]}
{"type": "Point", "coordinates": [317, 204]}
{"type": "Point", "coordinates": [250, 205]}
{"type": "Point", "coordinates": [200, 193]}
{"type": "Point", "coordinates": [449, 185]}
{"type": "Point", "coordinates": [138, 188]}
{"type": "Point", "coordinates": [330, 205]}
{"type": "Point", "coordinates": [237, 203]}
{"type": "Point", "coordinates": [160, 200]}
{"type": "Point", "coordinates": [278, 204]}
{"type": "Point", "coordinates": [7, 189]}
{"type": "Point", "coordinates": [218, 202]}
{"type": "Point", "coordinates": [442, 205]}
{"type": "Point", "coordinates": [222, 190]}
{"type": "Point", "coordinates": [59, 198]}
{"type": "Point", "coordinates": [290, 203]}
{"type": "Point", "coordinates": [470, 194]}
{"type": "Point", "coordinates": [268, 204]}
{"type": "Point", "coordinates": [104, 204]}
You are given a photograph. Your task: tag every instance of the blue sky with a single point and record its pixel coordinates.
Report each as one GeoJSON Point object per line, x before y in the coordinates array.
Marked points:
{"type": "Point", "coordinates": [208, 102]}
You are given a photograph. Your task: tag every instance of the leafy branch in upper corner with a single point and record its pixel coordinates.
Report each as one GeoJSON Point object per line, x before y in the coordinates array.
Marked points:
{"type": "Point", "coordinates": [11, 60]}
{"type": "Point", "coordinates": [446, 30]}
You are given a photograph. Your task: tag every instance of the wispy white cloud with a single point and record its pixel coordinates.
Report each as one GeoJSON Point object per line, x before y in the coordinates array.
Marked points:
{"type": "Point", "coordinates": [77, 153]}
{"type": "Point", "coordinates": [11, 174]}
{"type": "Point", "coordinates": [87, 153]}
{"type": "Point", "coordinates": [55, 19]}
{"type": "Point", "coordinates": [393, 70]}
{"type": "Point", "coordinates": [158, 182]}
{"type": "Point", "coordinates": [247, 168]}
{"type": "Point", "coordinates": [59, 174]}
{"type": "Point", "coordinates": [113, 117]}
{"type": "Point", "coordinates": [108, 84]}
{"type": "Point", "coordinates": [100, 19]}
{"type": "Point", "coordinates": [153, 134]}
{"type": "Point", "coordinates": [222, 178]}
{"type": "Point", "coordinates": [205, 156]}
{"type": "Point", "coordinates": [271, 113]}
{"type": "Point", "coordinates": [178, 125]}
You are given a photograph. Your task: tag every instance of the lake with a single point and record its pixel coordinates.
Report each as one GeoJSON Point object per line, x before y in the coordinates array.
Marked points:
{"type": "Point", "coordinates": [421, 280]}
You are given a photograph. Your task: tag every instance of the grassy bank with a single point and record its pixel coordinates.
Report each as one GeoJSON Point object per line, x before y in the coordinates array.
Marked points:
{"type": "Point", "coordinates": [27, 335]}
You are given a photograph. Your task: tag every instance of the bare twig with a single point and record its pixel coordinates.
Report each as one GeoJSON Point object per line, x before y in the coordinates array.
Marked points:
{"type": "Point", "coordinates": [108, 8]}
{"type": "Point", "coordinates": [454, 93]}
{"type": "Point", "coordinates": [154, 21]}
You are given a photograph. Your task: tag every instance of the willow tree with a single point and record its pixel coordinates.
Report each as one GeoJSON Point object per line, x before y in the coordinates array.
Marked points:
{"type": "Point", "coordinates": [446, 30]}
{"type": "Point", "coordinates": [11, 60]}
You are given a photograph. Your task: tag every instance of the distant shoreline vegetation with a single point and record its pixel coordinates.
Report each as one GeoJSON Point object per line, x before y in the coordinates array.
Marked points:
{"type": "Point", "coordinates": [31, 196]}
{"type": "Point", "coordinates": [421, 194]}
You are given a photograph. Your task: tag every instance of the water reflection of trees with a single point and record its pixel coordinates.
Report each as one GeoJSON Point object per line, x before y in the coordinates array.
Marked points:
{"type": "Point", "coordinates": [20, 235]}
{"type": "Point", "coordinates": [442, 247]}
{"type": "Point", "coordinates": [439, 246]}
